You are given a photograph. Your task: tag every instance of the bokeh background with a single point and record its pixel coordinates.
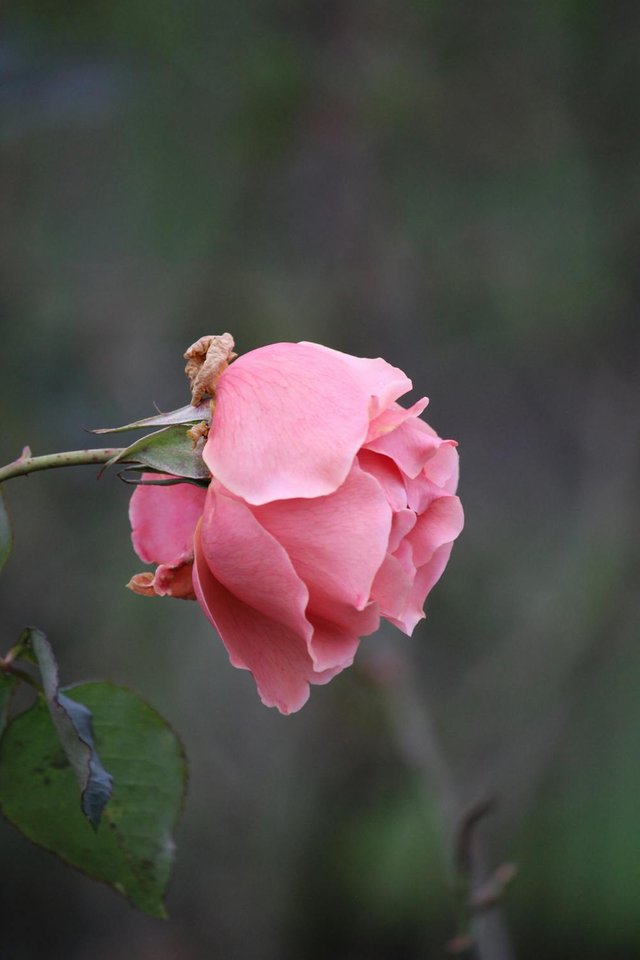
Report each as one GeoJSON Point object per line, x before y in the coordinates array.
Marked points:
{"type": "Point", "coordinates": [454, 186]}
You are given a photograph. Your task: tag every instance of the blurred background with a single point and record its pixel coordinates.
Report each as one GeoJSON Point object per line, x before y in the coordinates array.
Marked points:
{"type": "Point", "coordinates": [454, 186]}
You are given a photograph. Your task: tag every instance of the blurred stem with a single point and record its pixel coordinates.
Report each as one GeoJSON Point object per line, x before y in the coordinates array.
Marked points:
{"type": "Point", "coordinates": [481, 935]}
{"type": "Point", "coordinates": [72, 458]}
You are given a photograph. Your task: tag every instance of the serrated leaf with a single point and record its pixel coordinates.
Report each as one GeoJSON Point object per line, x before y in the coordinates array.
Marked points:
{"type": "Point", "coordinates": [6, 534]}
{"type": "Point", "coordinates": [169, 451]}
{"type": "Point", "coordinates": [133, 849]}
{"type": "Point", "coordinates": [72, 722]}
{"type": "Point", "coordinates": [184, 415]}
{"type": "Point", "coordinates": [7, 687]}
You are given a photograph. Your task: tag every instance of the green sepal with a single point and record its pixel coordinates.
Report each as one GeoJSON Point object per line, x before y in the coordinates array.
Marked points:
{"type": "Point", "coordinates": [186, 415]}
{"type": "Point", "coordinates": [168, 451]}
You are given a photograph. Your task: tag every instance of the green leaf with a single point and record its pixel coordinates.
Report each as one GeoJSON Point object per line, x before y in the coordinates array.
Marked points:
{"type": "Point", "coordinates": [72, 722]}
{"type": "Point", "coordinates": [184, 415]}
{"type": "Point", "coordinates": [6, 534]}
{"type": "Point", "coordinates": [7, 686]}
{"type": "Point", "coordinates": [170, 451]}
{"type": "Point", "coordinates": [133, 849]}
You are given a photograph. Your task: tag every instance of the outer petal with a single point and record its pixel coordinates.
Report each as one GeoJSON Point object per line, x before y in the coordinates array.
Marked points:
{"type": "Point", "coordinates": [335, 543]}
{"type": "Point", "coordinates": [392, 588]}
{"type": "Point", "coordinates": [441, 524]}
{"type": "Point", "coordinates": [382, 383]}
{"type": "Point", "coordinates": [332, 649]}
{"type": "Point", "coordinates": [426, 577]}
{"type": "Point", "coordinates": [275, 654]}
{"type": "Point", "coordinates": [444, 467]}
{"type": "Point", "coordinates": [163, 520]}
{"type": "Point", "coordinates": [427, 548]}
{"type": "Point", "coordinates": [289, 421]}
{"type": "Point", "coordinates": [251, 564]}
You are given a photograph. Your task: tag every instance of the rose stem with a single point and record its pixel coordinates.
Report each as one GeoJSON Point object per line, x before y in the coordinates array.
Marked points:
{"type": "Point", "coordinates": [72, 458]}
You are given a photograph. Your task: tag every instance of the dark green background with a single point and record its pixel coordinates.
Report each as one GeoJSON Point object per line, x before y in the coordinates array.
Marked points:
{"type": "Point", "coordinates": [453, 185]}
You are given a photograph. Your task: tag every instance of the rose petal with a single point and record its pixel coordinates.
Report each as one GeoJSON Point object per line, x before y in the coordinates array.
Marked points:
{"type": "Point", "coordinates": [421, 492]}
{"type": "Point", "coordinates": [246, 559]}
{"type": "Point", "coordinates": [440, 524]}
{"type": "Point", "coordinates": [163, 520]}
{"type": "Point", "coordinates": [392, 417]}
{"type": "Point", "coordinates": [392, 587]}
{"type": "Point", "coordinates": [332, 649]}
{"type": "Point", "coordinates": [288, 422]}
{"type": "Point", "coordinates": [387, 475]}
{"type": "Point", "coordinates": [444, 466]}
{"type": "Point", "coordinates": [276, 655]}
{"type": "Point", "coordinates": [410, 445]}
{"type": "Point", "coordinates": [426, 578]}
{"type": "Point", "coordinates": [382, 382]}
{"type": "Point", "coordinates": [335, 543]}
{"type": "Point", "coordinates": [403, 522]}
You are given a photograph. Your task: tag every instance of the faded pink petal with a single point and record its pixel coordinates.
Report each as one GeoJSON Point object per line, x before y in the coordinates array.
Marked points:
{"type": "Point", "coordinates": [425, 579]}
{"type": "Point", "coordinates": [421, 492]}
{"type": "Point", "coordinates": [392, 587]}
{"type": "Point", "coordinates": [381, 382]}
{"type": "Point", "coordinates": [443, 467]}
{"type": "Point", "coordinates": [388, 476]}
{"type": "Point", "coordinates": [392, 417]}
{"type": "Point", "coordinates": [246, 559]}
{"type": "Point", "coordinates": [404, 555]}
{"type": "Point", "coordinates": [163, 520]}
{"type": "Point", "coordinates": [289, 421]}
{"type": "Point", "coordinates": [422, 555]}
{"type": "Point", "coordinates": [275, 654]}
{"type": "Point", "coordinates": [336, 543]}
{"type": "Point", "coordinates": [403, 523]}
{"type": "Point", "coordinates": [440, 524]}
{"type": "Point", "coordinates": [333, 648]}
{"type": "Point", "coordinates": [410, 446]}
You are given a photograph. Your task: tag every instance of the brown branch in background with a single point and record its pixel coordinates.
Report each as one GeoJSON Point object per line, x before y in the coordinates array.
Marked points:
{"type": "Point", "coordinates": [482, 932]}
{"type": "Point", "coordinates": [466, 831]}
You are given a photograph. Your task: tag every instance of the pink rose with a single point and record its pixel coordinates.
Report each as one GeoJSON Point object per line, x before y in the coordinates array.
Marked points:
{"type": "Point", "coordinates": [330, 506]}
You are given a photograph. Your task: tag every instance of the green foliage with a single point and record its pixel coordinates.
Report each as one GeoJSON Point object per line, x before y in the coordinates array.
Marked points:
{"type": "Point", "coordinates": [6, 535]}
{"type": "Point", "coordinates": [72, 722]}
{"type": "Point", "coordinates": [391, 861]}
{"type": "Point", "coordinates": [7, 686]}
{"type": "Point", "coordinates": [133, 849]}
{"type": "Point", "coordinates": [169, 450]}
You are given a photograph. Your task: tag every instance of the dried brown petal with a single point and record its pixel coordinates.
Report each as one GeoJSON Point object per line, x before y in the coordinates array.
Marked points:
{"type": "Point", "coordinates": [206, 359]}
{"type": "Point", "coordinates": [142, 584]}
{"type": "Point", "coordinates": [197, 432]}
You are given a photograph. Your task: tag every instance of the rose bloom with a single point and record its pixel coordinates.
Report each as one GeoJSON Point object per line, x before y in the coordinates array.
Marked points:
{"type": "Point", "coordinates": [330, 506]}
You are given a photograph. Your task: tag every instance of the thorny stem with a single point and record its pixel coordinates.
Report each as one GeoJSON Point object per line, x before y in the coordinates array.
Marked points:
{"type": "Point", "coordinates": [71, 458]}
